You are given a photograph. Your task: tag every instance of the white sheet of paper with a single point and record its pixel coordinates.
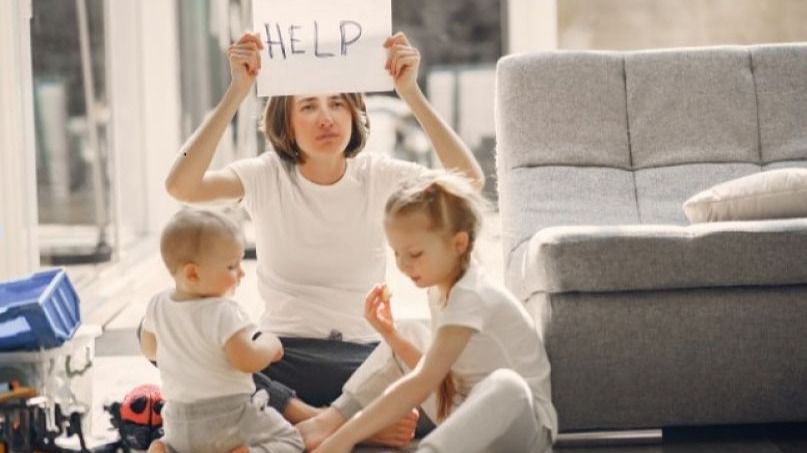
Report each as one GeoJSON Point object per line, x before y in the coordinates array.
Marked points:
{"type": "Point", "coordinates": [322, 46]}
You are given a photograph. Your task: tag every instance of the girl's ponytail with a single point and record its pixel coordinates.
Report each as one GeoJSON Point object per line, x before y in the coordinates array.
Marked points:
{"type": "Point", "coordinates": [445, 396]}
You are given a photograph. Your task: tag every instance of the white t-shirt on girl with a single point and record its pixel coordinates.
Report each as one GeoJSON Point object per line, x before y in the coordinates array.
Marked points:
{"type": "Point", "coordinates": [320, 248]}
{"type": "Point", "coordinates": [504, 337]}
{"type": "Point", "coordinates": [191, 336]}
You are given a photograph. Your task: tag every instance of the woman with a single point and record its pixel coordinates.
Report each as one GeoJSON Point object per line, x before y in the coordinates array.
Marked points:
{"type": "Point", "coordinates": [317, 205]}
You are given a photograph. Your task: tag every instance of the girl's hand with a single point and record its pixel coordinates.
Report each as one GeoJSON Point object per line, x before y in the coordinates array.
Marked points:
{"type": "Point", "coordinates": [377, 311]}
{"type": "Point", "coordinates": [403, 62]}
{"type": "Point", "coordinates": [245, 60]}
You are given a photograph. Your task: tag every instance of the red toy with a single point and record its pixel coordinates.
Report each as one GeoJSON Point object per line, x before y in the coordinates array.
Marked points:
{"type": "Point", "coordinates": [142, 406]}
{"type": "Point", "coordinates": [138, 418]}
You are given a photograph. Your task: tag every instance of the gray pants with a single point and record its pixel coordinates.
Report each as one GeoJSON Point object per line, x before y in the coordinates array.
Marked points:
{"type": "Point", "coordinates": [498, 415]}
{"type": "Point", "coordinates": [218, 425]}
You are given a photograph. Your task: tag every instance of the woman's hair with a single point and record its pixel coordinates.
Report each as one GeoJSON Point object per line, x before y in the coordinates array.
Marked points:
{"type": "Point", "coordinates": [452, 205]}
{"type": "Point", "coordinates": [192, 231]}
{"type": "Point", "coordinates": [276, 126]}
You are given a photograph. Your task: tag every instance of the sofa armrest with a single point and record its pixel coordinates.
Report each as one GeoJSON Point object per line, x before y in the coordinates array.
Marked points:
{"type": "Point", "coordinates": [642, 257]}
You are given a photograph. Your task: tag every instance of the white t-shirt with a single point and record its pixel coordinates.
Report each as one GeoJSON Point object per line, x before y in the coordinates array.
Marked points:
{"type": "Point", "coordinates": [190, 346]}
{"type": "Point", "coordinates": [320, 248]}
{"type": "Point", "coordinates": [504, 337]}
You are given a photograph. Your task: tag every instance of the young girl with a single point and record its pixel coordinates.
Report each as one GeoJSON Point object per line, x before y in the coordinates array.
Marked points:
{"type": "Point", "coordinates": [486, 364]}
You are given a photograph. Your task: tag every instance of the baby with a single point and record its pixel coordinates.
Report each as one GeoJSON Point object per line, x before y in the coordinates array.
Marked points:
{"type": "Point", "coordinates": [207, 348]}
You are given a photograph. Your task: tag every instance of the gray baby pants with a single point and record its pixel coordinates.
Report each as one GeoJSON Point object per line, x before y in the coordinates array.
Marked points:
{"type": "Point", "coordinates": [218, 425]}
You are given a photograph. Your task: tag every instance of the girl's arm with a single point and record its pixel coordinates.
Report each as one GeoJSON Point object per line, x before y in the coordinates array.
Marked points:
{"type": "Point", "coordinates": [403, 61]}
{"type": "Point", "coordinates": [189, 179]}
{"type": "Point", "coordinates": [251, 356]}
{"type": "Point", "coordinates": [148, 345]}
{"type": "Point", "coordinates": [405, 394]}
{"type": "Point", "coordinates": [378, 313]}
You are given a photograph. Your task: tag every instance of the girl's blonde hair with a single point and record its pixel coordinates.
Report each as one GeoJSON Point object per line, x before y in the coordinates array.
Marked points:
{"type": "Point", "coordinates": [452, 205]}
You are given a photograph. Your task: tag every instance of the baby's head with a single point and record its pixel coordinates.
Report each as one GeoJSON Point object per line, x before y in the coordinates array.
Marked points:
{"type": "Point", "coordinates": [432, 223]}
{"type": "Point", "coordinates": [202, 250]}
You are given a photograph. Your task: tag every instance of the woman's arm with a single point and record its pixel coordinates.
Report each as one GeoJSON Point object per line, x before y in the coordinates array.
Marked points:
{"type": "Point", "coordinates": [405, 394]}
{"type": "Point", "coordinates": [251, 356]}
{"type": "Point", "coordinates": [189, 179]}
{"type": "Point", "coordinates": [403, 61]}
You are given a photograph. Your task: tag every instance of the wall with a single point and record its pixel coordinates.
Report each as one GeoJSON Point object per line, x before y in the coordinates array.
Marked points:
{"type": "Point", "coordinates": [642, 24]}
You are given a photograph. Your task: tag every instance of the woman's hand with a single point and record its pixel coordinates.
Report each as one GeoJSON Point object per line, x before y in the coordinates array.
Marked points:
{"type": "Point", "coordinates": [245, 60]}
{"type": "Point", "coordinates": [403, 62]}
{"type": "Point", "coordinates": [377, 311]}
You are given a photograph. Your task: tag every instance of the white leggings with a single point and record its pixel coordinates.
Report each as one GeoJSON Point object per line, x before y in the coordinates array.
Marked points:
{"type": "Point", "coordinates": [497, 416]}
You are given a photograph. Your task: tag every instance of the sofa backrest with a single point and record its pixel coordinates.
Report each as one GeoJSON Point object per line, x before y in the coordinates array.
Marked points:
{"type": "Point", "coordinates": [586, 137]}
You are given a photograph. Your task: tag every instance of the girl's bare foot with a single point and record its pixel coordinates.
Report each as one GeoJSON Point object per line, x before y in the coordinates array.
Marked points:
{"type": "Point", "coordinates": [316, 429]}
{"type": "Point", "coordinates": [399, 434]}
{"type": "Point", "coordinates": [157, 447]}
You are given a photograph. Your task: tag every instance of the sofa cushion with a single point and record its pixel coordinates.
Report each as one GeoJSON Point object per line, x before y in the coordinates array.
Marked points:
{"type": "Point", "coordinates": [561, 109]}
{"type": "Point", "coordinates": [659, 257]}
{"type": "Point", "coordinates": [775, 194]}
{"type": "Point", "coordinates": [779, 73]}
{"type": "Point", "coordinates": [690, 106]}
{"type": "Point", "coordinates": [538, 197]}
{"type": "Point", "coordinates": [661, 191]}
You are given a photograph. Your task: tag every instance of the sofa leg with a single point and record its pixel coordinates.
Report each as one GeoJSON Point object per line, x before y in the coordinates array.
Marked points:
{"type": "Point", "coordinates": [607, 438]}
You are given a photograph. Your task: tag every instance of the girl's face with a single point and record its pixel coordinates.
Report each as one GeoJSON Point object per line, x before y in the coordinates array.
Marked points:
{"type": "Point", "coordinates": [427, 257]}
{"type": "Point", "coordinates": [321, 124]}
{"type": "Point", "coordinates": [219, 268]}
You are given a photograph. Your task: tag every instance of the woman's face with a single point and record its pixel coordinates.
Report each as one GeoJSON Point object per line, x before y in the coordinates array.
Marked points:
{"type": "Point", "coordinates": [321, 124]}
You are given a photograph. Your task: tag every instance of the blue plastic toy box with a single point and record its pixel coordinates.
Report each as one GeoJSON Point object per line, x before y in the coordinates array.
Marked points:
{"type": "Point", "coordinates": [39, 311]}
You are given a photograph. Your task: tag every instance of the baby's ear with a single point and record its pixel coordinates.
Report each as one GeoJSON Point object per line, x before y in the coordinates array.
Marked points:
{"type": "Point", "coordinates": [191, 272]}
{"type": "Point", "coordinates": [461, 241]}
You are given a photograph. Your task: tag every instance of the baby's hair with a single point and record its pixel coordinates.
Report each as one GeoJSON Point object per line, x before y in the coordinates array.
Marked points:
{"type": "Point", "coordinates": [190, 232]}
{"type": "Point", "coordinates": [448, 200]}
{"type": "Point", "coordinates": [452, 205]}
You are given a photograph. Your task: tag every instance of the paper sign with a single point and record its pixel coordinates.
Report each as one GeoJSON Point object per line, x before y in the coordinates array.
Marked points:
{"type": "Point", "coordinates": [322, 46]}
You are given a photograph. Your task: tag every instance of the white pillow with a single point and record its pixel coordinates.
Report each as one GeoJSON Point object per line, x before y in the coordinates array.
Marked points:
{"type": "Point", "coordinates": [774, 194]}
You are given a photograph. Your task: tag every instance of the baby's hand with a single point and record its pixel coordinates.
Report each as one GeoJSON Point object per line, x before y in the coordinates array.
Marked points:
{"type": "Point", "coordinates": [377, 310]}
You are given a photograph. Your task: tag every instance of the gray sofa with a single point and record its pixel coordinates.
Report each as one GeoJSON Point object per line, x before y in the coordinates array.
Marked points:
{"type": "Point", "coordinates": [649, 321]}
